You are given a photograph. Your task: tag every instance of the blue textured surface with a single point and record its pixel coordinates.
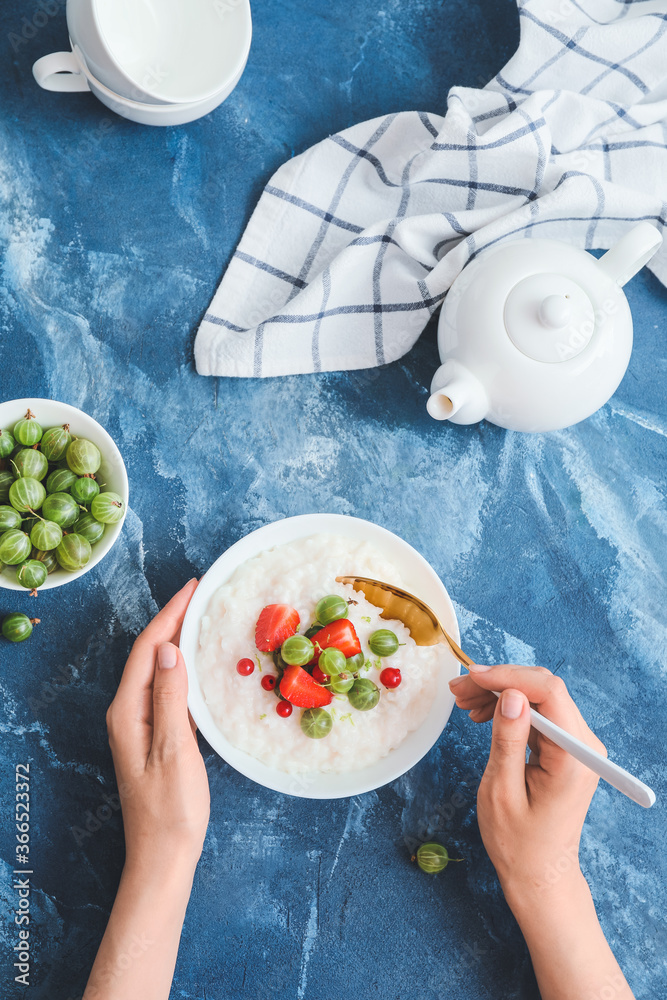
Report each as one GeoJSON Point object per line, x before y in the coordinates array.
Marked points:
{"type": "Point", "coordinates": [113, 239]}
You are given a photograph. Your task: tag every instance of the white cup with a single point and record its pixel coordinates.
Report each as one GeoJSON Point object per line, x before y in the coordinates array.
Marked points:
{"type": "Point", "coordinates": [151, 52]}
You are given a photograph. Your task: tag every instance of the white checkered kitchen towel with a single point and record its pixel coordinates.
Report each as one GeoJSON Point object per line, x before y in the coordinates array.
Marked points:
{"type": "Point", "coordinates": [354, 243]}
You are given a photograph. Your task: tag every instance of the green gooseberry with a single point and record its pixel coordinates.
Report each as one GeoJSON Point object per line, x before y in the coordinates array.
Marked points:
{"type": "Point", "coordinates": [341, 683]}
{"type": "Point", "coordinates": [15, 547]}
{"type": "Point", "coordinates": [73, 553]}
{"type": "Point", "coordinates": [48, 558]}
{"type": "Point", "coordinates": [297, 650]}
{"type": "Point", "coordinates": [83, 457]}
{"type": "Point", "coordinates": [89, 528]}
{"type": "Point", "coordinates": [353, 664]}
{"type": "Point", "coordinates": [26, 494]}
{"type": "Point", "coordinates": [108, 508]}
{"type": "Point", "coordinates": [432, 857]}
{"type": "Point", "coordinates": [30, 464]}
{"type": "Point", "coordinates": [316, 723]}
{"type": "Point", "coordinates": [46, 535]}
{"type": "Point", "coordinates": [332, 661]}
{"type": "Point", "coordinates": [364, 695]}
{"type": "Point", "coordinates": [9, 518]}
{"type": "Point", "coordinates": [384, 642]}
{"type": "Point", "coordinates": [61, 481]}
{"type": "Point", "coordinates": [55, 442]}
{"type": "Point", "coordinates": [31, 574]}
{"type": "Point", "coordinates": [27, 431]}
{"type": "Point", "coordinates": [17, 627]}
{"type": "Point", "coordinates": [61, 508]}
{"type": "Point", "coordinates": [84, 490]}
{"type": "Point", "coordinates": [329, 609]}
{"type": "Point", "coordinates": [6, 480]}
{"type": "Point", "coordinates": [7, 444]}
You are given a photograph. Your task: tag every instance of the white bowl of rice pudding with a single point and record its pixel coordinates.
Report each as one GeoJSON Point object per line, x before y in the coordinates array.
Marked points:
{"type": "Point", "coordinates": [295, 562]}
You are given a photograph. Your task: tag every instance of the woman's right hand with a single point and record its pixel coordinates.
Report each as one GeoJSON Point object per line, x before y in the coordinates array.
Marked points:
{"type": "Point", "coordinates": [530, 817]}
{"type": "Point", "coordinates": [530, 814]}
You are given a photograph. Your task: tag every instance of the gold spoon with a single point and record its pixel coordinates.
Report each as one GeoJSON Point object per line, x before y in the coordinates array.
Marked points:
{"type": "Point", "coordinates": [427, 630]}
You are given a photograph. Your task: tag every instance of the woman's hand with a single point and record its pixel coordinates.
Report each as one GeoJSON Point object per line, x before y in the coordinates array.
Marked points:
{"type": "Point", "coordinates": [161, 776]}
{"type": "Point", "coordinates": [530, 817]}
{"type": "Point", "coordinates": [165, 800]}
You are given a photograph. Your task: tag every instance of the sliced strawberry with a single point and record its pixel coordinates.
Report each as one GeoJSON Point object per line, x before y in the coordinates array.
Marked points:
{"type": "Point", "coordinates": [276, 623]}
{"type": "Point", "coordinates": [340, 634]}
{"type": "Point", "coordinates": [299, 688]}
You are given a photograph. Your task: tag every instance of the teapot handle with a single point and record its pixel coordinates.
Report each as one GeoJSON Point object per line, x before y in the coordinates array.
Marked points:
{"type": "Point", "coordinates": [631, 253]}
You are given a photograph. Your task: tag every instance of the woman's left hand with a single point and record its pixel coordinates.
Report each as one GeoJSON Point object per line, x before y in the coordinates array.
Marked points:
{"type": "Point", "coordinates": [162, 780]}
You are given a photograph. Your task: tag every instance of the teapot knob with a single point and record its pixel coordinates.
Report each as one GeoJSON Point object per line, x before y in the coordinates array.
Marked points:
{"type": "Point", "coordinates": [555, 311]}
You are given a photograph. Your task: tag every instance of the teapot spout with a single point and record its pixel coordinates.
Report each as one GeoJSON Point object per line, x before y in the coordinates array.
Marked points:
{"type": "Point", "coordinates": [631, 253]}
{"type": "Point", "coordinates": [457, 395]}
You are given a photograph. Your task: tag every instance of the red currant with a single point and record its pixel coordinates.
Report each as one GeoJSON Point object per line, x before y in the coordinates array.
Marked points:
{"type": "Point", "coordinates": [268, 682]}
{"type": "Point", "coordinates": [319, 676]}
{"type": "Point", "coordinates": [284, 709]}
{"type": "Point", "coordinates": [391, 677]}
{"type": "Point", "coordinates": [245, 666]}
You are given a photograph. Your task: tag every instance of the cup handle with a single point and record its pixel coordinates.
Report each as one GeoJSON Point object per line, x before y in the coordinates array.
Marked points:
{"type": "Point", "coordinates": [60, 71]}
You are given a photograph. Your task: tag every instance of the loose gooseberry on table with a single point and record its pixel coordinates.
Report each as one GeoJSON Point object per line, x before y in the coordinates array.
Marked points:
{"type": "Point", "coordinates": [16, 627]}
{"type": "Point", "coordinates": [432, 857]}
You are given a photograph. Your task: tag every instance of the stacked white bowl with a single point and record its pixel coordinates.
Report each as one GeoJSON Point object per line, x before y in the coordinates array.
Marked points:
{"type": "Point", "coordinates": [157, 62]}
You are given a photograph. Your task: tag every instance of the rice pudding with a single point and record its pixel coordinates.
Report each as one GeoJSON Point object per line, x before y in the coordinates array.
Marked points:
{"type": "Point", "coordinates": [298, 575]}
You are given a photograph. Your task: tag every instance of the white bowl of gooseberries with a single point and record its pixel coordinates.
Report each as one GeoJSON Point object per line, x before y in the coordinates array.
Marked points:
{"type": "Point", "coordinates": [74, 454]}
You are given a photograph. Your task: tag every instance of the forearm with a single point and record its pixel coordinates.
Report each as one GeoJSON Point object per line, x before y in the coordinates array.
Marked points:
{"type": "Point", "coordinates": [570, 954]}
{"type": "Point", "coordinates": [138, 952]}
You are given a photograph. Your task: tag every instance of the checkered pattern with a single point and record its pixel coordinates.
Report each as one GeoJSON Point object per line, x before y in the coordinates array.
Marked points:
{"type": "Point", "coordinates": [354, 244]}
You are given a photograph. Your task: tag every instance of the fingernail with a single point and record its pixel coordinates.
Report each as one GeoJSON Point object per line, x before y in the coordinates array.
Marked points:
{"type": "Point", "coordinates": [477, 668]}
{"type": "Point", "coordinates": [511, 705]}
{"type": "Point", "coordinates": [456, 680]}
{"type": "Point", "coordinates": [167, 656]}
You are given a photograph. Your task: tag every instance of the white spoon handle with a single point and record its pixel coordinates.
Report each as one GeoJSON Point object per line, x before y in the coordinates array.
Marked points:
{"type": "Point", "coordinates": [615, 775]}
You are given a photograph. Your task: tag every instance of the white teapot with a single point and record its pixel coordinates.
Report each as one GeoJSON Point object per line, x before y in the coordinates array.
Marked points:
{"type": "Point", "coordinates": [535, 335]}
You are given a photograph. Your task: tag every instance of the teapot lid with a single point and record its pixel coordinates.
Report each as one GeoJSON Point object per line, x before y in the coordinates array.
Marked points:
{"type": "Point", "coordinates": [549, 317]}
